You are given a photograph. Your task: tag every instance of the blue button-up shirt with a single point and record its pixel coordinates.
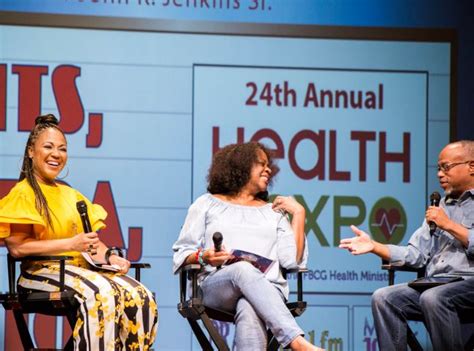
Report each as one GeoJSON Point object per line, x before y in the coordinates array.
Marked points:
{"type": "Point", "coordinates": [441, 252]}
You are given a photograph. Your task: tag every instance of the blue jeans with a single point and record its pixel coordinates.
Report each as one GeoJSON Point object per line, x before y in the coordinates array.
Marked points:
{"type": "Point", "coordinates": [392, 306]}
{"type": "Point", "coordinates": [258, 304]}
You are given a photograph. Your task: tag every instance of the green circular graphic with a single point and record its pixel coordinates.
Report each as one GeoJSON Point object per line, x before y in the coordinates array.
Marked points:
{"type": "Point", "coordinates": [388, 221]}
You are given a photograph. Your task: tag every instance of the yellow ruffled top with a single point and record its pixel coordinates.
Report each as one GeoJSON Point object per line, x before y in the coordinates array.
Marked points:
{"type": "Point", "coordinates": [18, 207]}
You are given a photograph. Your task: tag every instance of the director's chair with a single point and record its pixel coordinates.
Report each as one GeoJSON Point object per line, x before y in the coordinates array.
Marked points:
{"type": "Point", "coordinates": [59, 303]}
{"type": "Point", "coordinates": [412, 341]}
{"type": "Point", "coordinates": [193, 309]}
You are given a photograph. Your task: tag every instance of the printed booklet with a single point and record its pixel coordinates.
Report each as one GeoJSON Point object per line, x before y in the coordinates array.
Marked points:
{"type": "Point", "coordinates": [100, 265]}
{"type": "Point", "coordinates": [260, 262]}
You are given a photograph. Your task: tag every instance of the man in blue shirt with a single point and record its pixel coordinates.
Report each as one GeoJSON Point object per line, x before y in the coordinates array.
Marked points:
{"type": "Point", "coordinates": [450, 249]}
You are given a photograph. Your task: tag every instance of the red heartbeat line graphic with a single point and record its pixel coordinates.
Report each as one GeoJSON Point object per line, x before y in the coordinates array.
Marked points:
{"type": "Point", "coordinates": [385, 224]}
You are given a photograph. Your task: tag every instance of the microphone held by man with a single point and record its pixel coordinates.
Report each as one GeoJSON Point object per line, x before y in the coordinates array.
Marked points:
{"type": "Point", "coordinates": [435, 198]}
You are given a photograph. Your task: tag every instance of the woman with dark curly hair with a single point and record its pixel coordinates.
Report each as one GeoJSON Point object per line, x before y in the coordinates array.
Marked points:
{"type": "Point", "coordinates": [236, 205]}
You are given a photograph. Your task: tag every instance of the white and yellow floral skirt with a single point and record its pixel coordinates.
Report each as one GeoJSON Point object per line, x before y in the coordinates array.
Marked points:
{"type": "Point", "coordinates": [116, 312]}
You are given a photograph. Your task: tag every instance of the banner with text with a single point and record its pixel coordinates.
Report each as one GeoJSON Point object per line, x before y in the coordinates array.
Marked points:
{"type": "Point", "coordinates": [348, 142]}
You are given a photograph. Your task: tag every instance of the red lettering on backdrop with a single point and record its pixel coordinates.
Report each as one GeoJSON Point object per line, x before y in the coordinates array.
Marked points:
{"type": "Point", "coordinates": [279, 152]}
{"type": "Point", "coordinates": [334, 174]}
{"type": "Point", "coordinates": [216, 138]}
{"type": "Point", "coordinates": [29, 94]}
{"type": "Point", "coordinates": [318, 140]}
{"type": "Point", "coordinates": [6, 185]}
{"type": "Point", "coordinates": [363, 138]}
{"type": "Point", "coordinates": [311, 96]}
{"type": "Point", "coordinates": [67, 97]}
{"type": "Point", "coordinates": [67, 331]}
{"type": "Point", "coordinates": [3, 97]}
{"type": "Point", "coordinates": [112, 235]}
{"type": "Point", "coordinates": [94, 136]}
{"type": "Point", "coordinates": [45, 330]}
{"type": "Point", "coordinates": [386, 157]}
{"type": "Point", "coordinates": [135, 240]}
{"type": "Point", "coordinates": [12, 340]}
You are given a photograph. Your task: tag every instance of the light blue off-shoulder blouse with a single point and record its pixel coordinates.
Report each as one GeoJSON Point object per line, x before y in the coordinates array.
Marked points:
{"type": "Point", "coordinates": [255, 229]}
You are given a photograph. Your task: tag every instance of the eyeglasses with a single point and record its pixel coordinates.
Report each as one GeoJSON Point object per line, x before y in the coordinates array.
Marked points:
{"type": "Point", "coordinates": [445, 167]}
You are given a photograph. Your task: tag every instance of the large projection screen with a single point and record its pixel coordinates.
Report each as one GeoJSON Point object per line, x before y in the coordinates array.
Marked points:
{"type": "Point", "coordinates": [356, 117]}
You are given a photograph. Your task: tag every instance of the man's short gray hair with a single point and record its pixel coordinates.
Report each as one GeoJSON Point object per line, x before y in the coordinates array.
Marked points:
{"type": "Point", "coordinates": [468, 146]}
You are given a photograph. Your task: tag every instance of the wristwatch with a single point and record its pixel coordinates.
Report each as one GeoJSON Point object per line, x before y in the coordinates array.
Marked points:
{"type": "Point", "coordinates": [113, 251]}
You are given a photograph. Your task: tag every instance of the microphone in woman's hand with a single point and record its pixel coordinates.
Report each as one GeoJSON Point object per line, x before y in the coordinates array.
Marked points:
{"type": "Point", "coordinates": [217, 239]}
{"type": "Point", "coordinates": [86, 224]}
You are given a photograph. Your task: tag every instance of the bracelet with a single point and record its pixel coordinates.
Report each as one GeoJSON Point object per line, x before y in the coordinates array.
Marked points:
{"type": "Point", "coordinates": [113, 251]}
{"type": "Point", "coordinates": [196, 254]}
{"type": "Point", "coordinates": [201, 259]}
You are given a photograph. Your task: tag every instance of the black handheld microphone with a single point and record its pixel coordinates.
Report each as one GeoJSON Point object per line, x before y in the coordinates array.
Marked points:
{"type": "Point", "coordinates": [217, 239]}
{"type": "Point", "coordinates": [435, 198]}
{"type": "Point", "coordinates": [86, 224]}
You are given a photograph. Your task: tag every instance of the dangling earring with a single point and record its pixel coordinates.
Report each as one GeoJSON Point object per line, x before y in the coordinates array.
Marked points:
{"type": "Point", "coordinates": [65, 176]}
